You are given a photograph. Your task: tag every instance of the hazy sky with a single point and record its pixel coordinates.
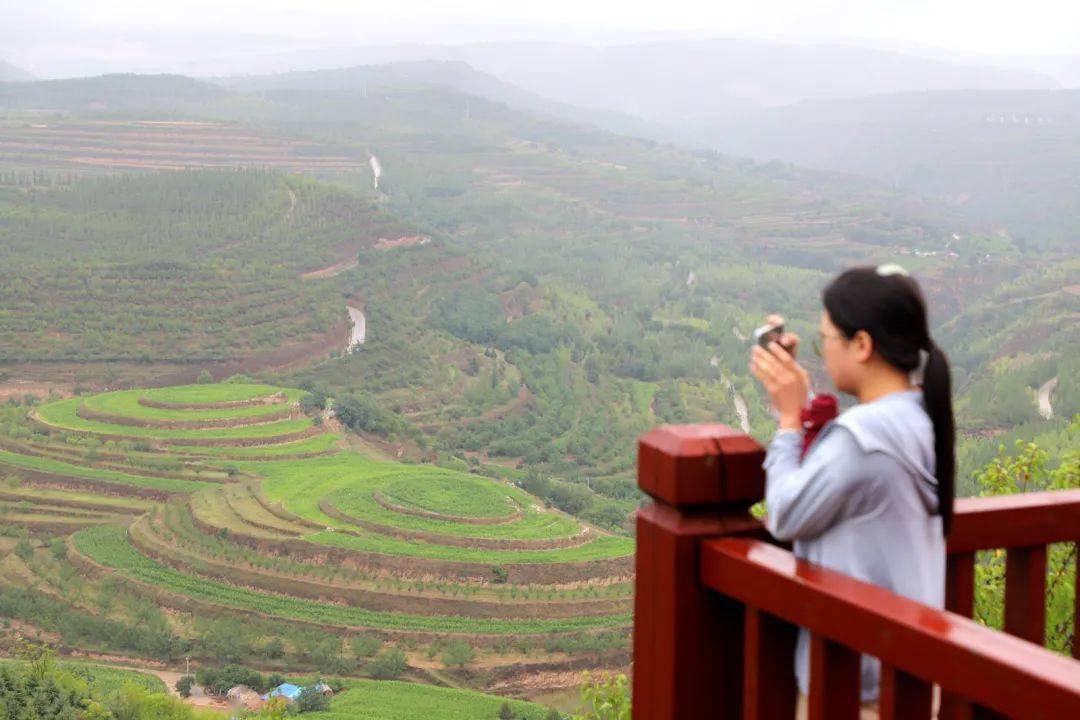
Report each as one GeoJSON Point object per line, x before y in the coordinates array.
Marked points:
{"type": "Point", "coordinates": [54, 31]}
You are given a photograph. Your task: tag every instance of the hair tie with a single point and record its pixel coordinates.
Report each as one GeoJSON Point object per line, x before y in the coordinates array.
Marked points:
{"type": "Point", "coordinates": [887, 269]}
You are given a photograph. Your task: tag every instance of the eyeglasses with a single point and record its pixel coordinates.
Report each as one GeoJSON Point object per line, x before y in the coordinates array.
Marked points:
{"type": "Point", "coordinates": [822, 337]}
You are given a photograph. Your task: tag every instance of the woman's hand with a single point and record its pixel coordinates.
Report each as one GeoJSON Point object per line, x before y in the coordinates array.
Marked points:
{"type": "Point", "coordinates": [787, 383]}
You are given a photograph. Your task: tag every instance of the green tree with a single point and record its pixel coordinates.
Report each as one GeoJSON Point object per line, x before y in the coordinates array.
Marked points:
{"type": "Point", "coordinates": [311, 699]}
{"type": "Point", "coordinates": [605, 697]}
{"type": "Point", "coordinates": [24, 549]}
{"type": "Point", "coordinates": [458, 653]}
{"type": "Point", "coordinates": [388, 665]}
{"type": "Point", "coordinates": [1030, 469]}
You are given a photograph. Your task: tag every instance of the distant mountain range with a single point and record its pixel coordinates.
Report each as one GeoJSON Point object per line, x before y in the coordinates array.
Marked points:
{"type": "Point", "coordinates": [455, 75]}
{"type": "Point", "coordinates": [1003, 157]}
{"type": "Point", "coordinates": [675, 81]}
{"type": "Point", "coordinates": [1008, 156]}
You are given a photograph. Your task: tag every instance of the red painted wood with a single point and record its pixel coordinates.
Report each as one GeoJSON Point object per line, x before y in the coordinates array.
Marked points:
{"type": "Point", "coordinates": [960, 599]}
{"type": "Point", "coordinates": [1076, 606]}
{"type": "Point", "coordinates": [688, 641]}
{"type": "Point", "coordinates": [996, 670]}
{"type": "Point", "coordinates": [769, 690]}
{"type": "Point", "coordinates": [1021, 520]}
{"type": "Point", "coordinates": [904, 696]}
{"type": "Point", "coordinates": [834, 680]}
{"type": "Point", "coordinates": [960, 584]}
{"type": "Point", "coordinates": [1025, 593]}
{"type": "Point", "coordinates": [687, 465]}
{"type": "Point", "coordinates": [954, 707]}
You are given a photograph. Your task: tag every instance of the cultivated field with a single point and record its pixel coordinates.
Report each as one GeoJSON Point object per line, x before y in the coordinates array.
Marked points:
{"type": "Point", "coordinates": [226, 500]}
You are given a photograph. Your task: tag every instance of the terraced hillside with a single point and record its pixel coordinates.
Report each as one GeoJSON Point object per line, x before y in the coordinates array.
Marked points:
{"type": "Point", "coordinates": [162, 145]}
{"type": "Point", "coordinates": [183, 269]}
{"type": "Point", "coordinates": [227, 501]}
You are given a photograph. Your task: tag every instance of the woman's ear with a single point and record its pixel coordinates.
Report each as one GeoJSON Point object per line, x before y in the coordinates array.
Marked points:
{"type": "Point", "coordinates": [862, 345]}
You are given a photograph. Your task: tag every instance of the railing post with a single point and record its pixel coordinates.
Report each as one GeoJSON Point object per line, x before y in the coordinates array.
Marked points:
{"type": "Point", "coordinates": [960, 599]}
{"type": "Point", "coordinates": [1025, 593]}
{"type": "Point", "coordinates": [688, 641]}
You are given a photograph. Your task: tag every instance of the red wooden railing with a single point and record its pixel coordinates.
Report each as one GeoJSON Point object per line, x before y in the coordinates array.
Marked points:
{"type": "Point", "coordinates": [717, 603]}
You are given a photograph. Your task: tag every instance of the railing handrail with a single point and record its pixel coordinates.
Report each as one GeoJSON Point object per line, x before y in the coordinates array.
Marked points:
{"type": "Point", "coordinates": [1020, 520]}
{"type": "Point", "coordinates": [1001, 672]}
{"type": "Point", "coordinates": [714, 629]}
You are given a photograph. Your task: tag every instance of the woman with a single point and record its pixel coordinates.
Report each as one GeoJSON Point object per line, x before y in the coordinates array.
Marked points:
{"type": "Point", "coordinates": [873, 496]}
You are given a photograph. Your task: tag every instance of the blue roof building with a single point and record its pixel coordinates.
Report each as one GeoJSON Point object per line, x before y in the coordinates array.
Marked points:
{"type": "Point", "coordinates": [286, 690]}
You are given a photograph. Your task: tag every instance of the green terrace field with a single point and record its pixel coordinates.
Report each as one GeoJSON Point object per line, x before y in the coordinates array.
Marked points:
{"type": "Point", "coordinates": [199, 266]}
{"type": "Point", "coordinates": [303, 533]}
{"type": "Point", "coordinates": [105, 680]}
{"type": "Point", "coordinates": [366, 700]}
{"type": "Point", "coordinates": [64, 415]}
{"type": "Point", "coordinates": [107, 546]}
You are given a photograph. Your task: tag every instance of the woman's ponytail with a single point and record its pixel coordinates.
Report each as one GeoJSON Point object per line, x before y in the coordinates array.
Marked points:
{"type": "Point", "coordinates": [937, 396]}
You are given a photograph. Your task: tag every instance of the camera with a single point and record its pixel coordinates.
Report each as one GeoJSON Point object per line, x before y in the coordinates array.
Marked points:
{"type": "Point", "coordinates": [767, 334]}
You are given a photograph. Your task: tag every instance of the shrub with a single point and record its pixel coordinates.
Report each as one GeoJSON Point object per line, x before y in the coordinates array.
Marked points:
{"type": "Point", "coordinates": [364, 646]}
{"type": "Point", "coordinates": [24, 549]}
{"type": "Point", "coordinates": [311, 699]}
{"type": "Point", "coordinates": [183, 685]}
{"type": "Point", "coordinates": [458, 654]}
{"type": "Point", "coordinates": [387, 665]}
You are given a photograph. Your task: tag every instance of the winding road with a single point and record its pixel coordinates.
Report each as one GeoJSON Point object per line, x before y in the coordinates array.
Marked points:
{"type": "Point", "coordinates": [359, 327]}
{"type": "Point", "coordinates": [1045, 408]}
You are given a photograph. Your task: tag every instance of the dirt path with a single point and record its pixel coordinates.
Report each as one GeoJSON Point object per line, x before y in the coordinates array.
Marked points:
{"type": "Point", "coordinates": [292, 206]}
{"type": "Point", "coordinates": [741, 408]}
{"type": "Point", "coordinates": [331, 270]}
{"type": "Point", "coordinates": [359, 327]}
{"type": "Point", "coordinates": [1045, 409]}
{"type": "Point", "coordinates": [376, 171]}
{"type": "Point", "coordinates": [169, 677]}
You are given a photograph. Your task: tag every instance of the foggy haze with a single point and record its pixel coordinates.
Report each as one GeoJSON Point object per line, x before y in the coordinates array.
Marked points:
{"type": "Point", "coordinates": [58, 38]}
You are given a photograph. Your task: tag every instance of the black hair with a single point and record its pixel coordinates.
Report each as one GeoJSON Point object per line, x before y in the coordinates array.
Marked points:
{"type": "Point", "coordinates": [891, 309]}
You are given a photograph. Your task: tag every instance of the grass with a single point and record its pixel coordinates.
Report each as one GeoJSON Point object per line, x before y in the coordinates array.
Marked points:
{"type": "Point", "coordinates": [215, 393]}
{"type": "Point", "coordinates": [314, 444]}
{"type": "Point", "coordinates": [174, 527]}
{"type": "Point", "coordinates": [105, 680]}
{"type": "Point", "coordinates": [440, 494]}
{"type": "Point", "coordinates": [57, 467]}
{"type": "Point", "coordinates": [44, 495]}
{"type": "Point", "coordinates": [125, 403]}
{"type": "Point", "coordinates": [603, 547]}
{"type": "Point", "coordinates": [64, 414]}
{"type": "Point", "coordinates": [357, 501]}
{"type": "Point", "coordinates": [300, 485]}
{"type": "Point", "coordinates": [393, 700]}
{"type": "Point", "coordinates": [109, 546]}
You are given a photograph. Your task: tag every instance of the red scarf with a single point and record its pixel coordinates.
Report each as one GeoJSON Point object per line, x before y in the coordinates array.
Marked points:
{"type": "Point", "coordinates": [821, 410]}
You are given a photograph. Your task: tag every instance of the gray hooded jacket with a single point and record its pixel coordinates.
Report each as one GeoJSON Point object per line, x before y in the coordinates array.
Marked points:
{"type": "Point", "coordinates": [862, 502]}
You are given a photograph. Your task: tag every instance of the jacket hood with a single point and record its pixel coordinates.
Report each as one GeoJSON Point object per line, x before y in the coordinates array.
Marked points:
{"type": "Point", "coordinates": [897, 425]}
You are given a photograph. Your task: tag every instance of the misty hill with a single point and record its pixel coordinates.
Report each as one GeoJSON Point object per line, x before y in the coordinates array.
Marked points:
{"type": "Point", "coordinates": [10, 73]}
{"type": "Point", "coordinates": [109, 92]}
{"type": "Point", "coordinates": [456, 75]}
{"type": "Point", "coordinates": [672, 81]}
{"type": "Point", "coordinates": [1005, 156]}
